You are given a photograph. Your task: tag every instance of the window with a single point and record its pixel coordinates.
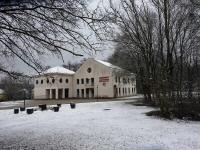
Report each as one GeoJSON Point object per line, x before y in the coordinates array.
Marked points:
{"type": "Point", "coordinates": [82, 81]}
{"type": "Point", "coordinates": [129, 91]}
{"type": "Point", "coordinates": [92, 81]}
{"type": "Point", "coordinates": [116, 79]}
{"type": "Point", "coordinates": [132, 90]}
{"type": "Point", "coordinates": [47, 80]}
{"type": "Point", "coordinates": [66, 80]}
{"type": "Point", "coordinates": [87, 81]}
{"type": "Point", "coordinates": [119, 79]}
{"type": "Point", "coordinates": [119, 91]}
{"type": "Point", "coordinates": [41, 81]}
{"type": "Point", "coordinates": [53, 80]}
{"type": "Point", "coordinates": [89, 70]}
{"type": "Point", "coordinates": [77, 81]}
{"type": "Point", "coordinates": [36, 81]}
{"type": "Point", "coordinates": [60, 80]}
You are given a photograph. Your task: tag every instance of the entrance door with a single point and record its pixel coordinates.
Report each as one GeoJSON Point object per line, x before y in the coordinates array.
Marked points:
{"type": "Point", "coordinates": [82, 93]}
{"type": "Point", "coordinates": [66, 93]}
{"type": "Point", "coordinates": [47, 93]}
{"type": "Point", "coordinates": [53, 91]}
{"type": "Point", "coordinates": [87, 92]}
{"type": "Point", "coordinates": [60, 93]}
{"type": "Point", "coordinates": [92, 92]}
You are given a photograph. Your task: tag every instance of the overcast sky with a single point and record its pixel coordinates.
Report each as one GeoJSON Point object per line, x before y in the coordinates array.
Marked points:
{"type": "Point", "coordinates": [106, 50]}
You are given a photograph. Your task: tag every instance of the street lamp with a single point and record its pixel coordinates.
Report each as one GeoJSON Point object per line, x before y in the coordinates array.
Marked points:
{"type": "Point", "coordinates": [24, 91]}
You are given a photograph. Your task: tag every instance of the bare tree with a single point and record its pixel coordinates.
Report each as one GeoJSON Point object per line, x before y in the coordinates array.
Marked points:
{"type": "Point", "coordinates": [30, 28]}
{"type": "Point", "coordinates": [163, 37]}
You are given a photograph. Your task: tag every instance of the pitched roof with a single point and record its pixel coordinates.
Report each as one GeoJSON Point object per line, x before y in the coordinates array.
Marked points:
{"type": "Point", "coordinates": [108, 64]}
{"type": "Point", "coordinates": [58, 70]}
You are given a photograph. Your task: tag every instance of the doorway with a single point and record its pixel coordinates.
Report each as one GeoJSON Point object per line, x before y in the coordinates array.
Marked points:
{"type": "Point", "coordinates": [90, 92]}
{"type": "Point", "coordinates": [60, 93]}
{"type": "Point", "coordinates": [82, 93]}
{"type": "Point", "coordinates": [66, 93]}
{"type": "Point", "coordinates": [87, 93]}
{"type": "Point", "coordinates": [53, 91]}
{"type": "Point", "coordinates": [47, 93]}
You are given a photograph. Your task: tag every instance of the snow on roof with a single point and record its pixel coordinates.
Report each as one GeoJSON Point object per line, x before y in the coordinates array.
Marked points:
{"type": "Point", "coordinates": [58, 69]}
{"type": "Point", "coordinates": [108, 64]}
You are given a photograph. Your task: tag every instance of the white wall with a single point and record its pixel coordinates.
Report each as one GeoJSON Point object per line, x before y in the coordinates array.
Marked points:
{"type": "Point", "coordinates": [40, 89]}
{"type": "Point", "coordinates": [101, 89]}
{"type": "Point", "coordinates": [97, 70]}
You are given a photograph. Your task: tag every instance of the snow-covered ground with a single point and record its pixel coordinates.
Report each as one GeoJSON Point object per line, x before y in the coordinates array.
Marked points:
{"type": "Point", "coordinates": [91, 127]}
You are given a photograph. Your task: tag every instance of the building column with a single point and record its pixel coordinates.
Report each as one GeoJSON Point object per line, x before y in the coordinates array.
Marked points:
{"type": "Point", "coordinates": [50, 93]}
{"type": "Point", "coordinates": [63, 93]}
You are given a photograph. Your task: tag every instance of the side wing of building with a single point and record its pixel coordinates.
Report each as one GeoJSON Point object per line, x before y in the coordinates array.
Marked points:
{"type": "Point", "coordinates": [54, 86]}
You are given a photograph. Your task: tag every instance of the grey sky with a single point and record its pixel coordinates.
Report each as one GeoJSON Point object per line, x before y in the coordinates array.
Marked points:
{"type": "Point", "coordinates": [107, 49]}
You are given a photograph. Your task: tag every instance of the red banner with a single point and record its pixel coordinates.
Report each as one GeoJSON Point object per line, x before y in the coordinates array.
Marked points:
{"type": "Point", "coordinates": [104, 79]}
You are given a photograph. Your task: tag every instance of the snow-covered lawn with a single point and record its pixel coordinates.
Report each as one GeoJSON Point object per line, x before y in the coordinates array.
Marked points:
{"type": "Point", "coordinates": [91, 127]}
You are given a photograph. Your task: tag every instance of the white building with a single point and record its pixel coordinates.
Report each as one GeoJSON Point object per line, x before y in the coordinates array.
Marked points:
{"type": "Point", "coordinates": [95, 78]}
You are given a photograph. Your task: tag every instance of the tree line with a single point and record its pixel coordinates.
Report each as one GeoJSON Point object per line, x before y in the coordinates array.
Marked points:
{"type": "Point", "coordinates": [159, 39]}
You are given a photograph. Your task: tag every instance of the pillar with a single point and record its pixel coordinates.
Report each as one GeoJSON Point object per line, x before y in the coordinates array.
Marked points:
{"type": "Point", "coordinates": [63, 93]}
{"type": "Point", "coordinates": [50, 93]}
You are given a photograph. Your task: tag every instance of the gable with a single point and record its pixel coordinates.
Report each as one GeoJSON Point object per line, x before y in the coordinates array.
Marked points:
{"type": "Point", "coordinates": [95, 67]}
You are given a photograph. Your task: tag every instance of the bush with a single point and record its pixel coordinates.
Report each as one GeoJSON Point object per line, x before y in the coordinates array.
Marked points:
{"type": "Point", "coordinates": [3, 97]}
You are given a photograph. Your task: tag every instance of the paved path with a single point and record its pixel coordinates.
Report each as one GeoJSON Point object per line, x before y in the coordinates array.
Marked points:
{"type": "Point", "coordinates": [32, 103]}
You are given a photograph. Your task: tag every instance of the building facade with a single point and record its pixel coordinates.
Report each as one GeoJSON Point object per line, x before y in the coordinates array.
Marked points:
{"type": "Point", "coordinates": [94, 79]}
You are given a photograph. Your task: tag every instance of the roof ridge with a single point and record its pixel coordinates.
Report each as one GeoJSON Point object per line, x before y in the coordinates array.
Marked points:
{"type": "Point", "coordinates": [108, 64]}
{"type": "Point", "coordinates": [58, 69]}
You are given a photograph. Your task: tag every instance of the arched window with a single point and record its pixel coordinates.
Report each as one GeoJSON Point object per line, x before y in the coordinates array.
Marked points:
{"type": "Point", "coordinates": [66, 80]}
{"type": "Point", "coordinates": [60, 80]}
{"type": "Point", "coordinates": [53, 80]}
{"type": "Point", "coordinates": [36, 81]}
{"type": "Point", "coordinates": [41, 81]}
{"type": "Point", "coordinates": [47, 80]}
